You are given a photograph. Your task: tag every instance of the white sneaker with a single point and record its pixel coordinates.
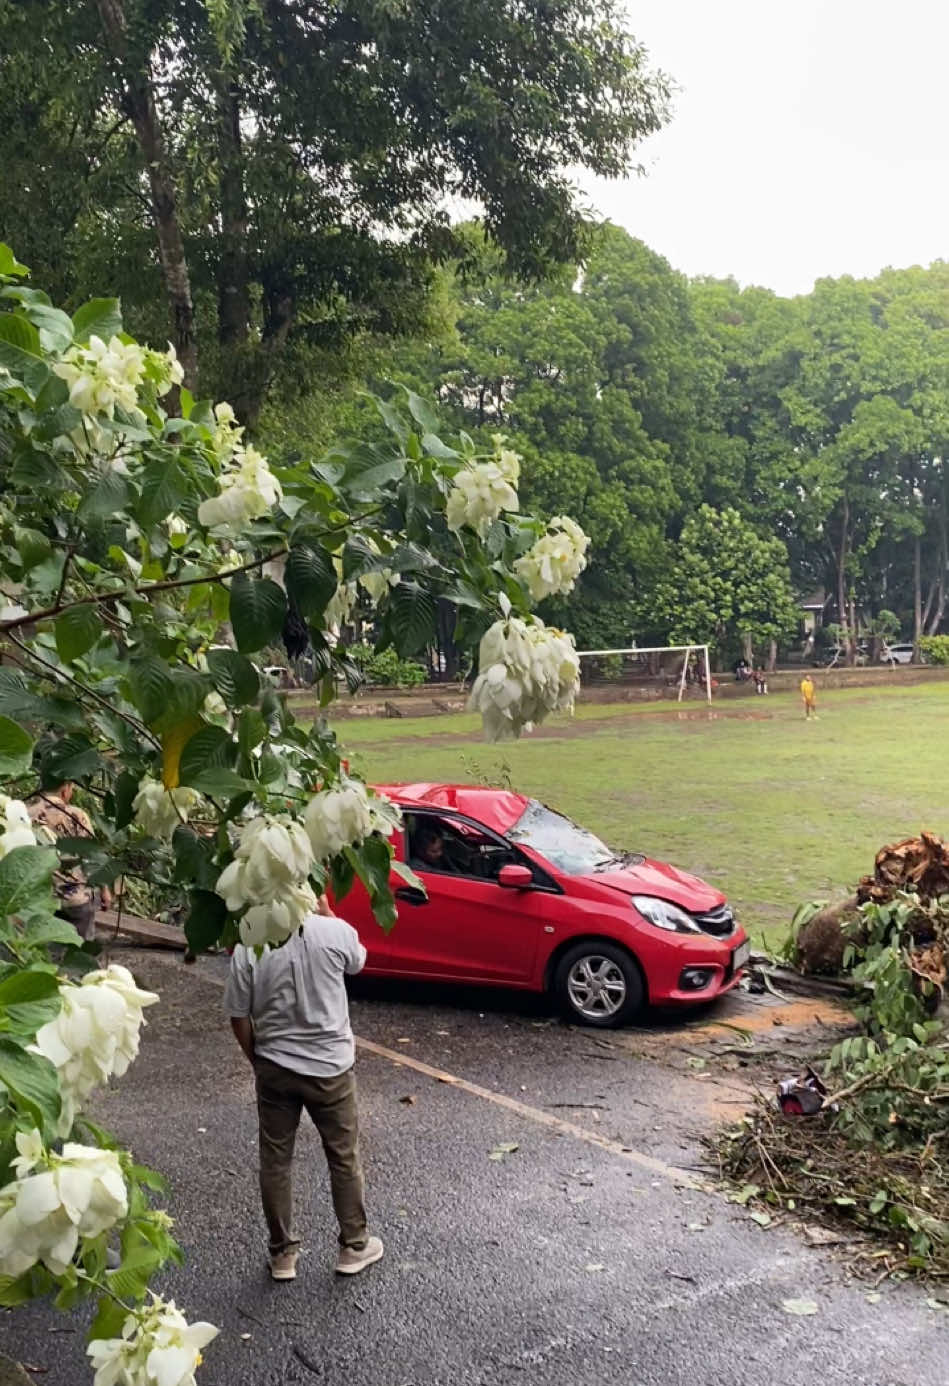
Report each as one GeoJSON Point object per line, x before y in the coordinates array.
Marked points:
{"type": "Point", "coordinates": [352, 1261]}
{"type": "Point", "coordinates": [283, 1266]}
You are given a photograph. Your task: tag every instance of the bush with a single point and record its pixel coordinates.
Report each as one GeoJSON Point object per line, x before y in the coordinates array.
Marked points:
{"type": "Point", "coordinates": [935, 648]}
{"type": "Point", "coordinates": [385, 667]}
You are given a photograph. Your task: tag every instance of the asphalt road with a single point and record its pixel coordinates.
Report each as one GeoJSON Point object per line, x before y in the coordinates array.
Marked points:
{"type": "Point", "coordinates": [579, 1257]}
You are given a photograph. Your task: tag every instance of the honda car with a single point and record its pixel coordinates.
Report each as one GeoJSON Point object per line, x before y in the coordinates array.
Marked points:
{"type": "Point", "coordinates": [511, 893]}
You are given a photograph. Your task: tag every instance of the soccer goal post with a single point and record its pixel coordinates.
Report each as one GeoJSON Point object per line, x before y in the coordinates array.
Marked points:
{"type": "Point", "coordinates": [633, 665]}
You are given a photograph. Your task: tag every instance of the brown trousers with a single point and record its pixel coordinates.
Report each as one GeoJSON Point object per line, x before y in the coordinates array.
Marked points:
{"type": "Point", "coordinates": [331, 1106]}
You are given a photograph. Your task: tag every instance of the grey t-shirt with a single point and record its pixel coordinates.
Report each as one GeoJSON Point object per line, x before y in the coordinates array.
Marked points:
{"type": "Point", "coordinates": [296, 997]}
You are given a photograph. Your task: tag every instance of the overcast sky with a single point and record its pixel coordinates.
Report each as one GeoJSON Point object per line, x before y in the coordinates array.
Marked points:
{"type": "Point", "coordinates": [807, 139]}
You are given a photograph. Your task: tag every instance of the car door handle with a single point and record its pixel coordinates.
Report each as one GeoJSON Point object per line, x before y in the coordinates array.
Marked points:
{"type": "Point", "coordinates": [411, 895]}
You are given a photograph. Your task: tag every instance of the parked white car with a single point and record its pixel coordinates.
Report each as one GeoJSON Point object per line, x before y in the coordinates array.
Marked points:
{"type": "Point", "coordinates": [901, 653]}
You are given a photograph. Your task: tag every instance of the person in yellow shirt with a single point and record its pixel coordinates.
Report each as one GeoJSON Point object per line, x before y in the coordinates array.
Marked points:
{"type": "Point", "coordinates": [809, 694]}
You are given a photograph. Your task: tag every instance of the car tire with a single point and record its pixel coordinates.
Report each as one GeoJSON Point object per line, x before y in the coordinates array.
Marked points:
{"type": "Point", "coordinates": [599, 984]}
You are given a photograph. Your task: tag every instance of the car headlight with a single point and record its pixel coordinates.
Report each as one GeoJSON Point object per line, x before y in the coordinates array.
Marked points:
{"type": "Point", "coordinates": [665, 915]}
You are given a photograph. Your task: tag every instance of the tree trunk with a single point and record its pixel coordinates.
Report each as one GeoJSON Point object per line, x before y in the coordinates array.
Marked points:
{"type": "Point", "coordinates": [934, 619]}
{"type": "Point", "coordinates": [233, 286]}
{"type": "Point", "coordinates": [841, 557]}
{"type": "Point", "coordinates": [917, 596]}
{"type": "Point", "coordinates": [772, 656]}
{"type": "Point", "coordinates": [138, 100]}
{"type": "Point", "coordinates": [747, 649]}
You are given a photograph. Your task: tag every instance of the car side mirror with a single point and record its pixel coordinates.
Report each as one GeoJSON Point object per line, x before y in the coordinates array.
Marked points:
{"type": "Point", "coordinates": [514, 877]}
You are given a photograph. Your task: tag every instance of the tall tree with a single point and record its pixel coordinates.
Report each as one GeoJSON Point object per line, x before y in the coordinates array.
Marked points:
{"type": "Point", "coordinates": [296, 158]}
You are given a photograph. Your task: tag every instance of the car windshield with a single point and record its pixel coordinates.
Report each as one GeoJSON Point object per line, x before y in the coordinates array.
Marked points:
{"type": "Point", "coordinates": [570, 849]}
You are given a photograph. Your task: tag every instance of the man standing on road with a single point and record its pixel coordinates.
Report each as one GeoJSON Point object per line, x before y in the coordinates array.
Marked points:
{"type": "Point", "coordinates": [290, 1014]}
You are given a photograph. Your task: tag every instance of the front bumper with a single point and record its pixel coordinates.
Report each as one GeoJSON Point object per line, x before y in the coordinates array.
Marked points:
{"type": "Point", "coordinates": [688, 953]}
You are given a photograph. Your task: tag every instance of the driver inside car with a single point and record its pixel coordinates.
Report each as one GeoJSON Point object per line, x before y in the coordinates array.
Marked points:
{"type": "Point", "coordinates": [432, 851]}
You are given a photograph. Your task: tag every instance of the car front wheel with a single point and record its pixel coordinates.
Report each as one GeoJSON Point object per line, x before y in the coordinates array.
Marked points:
{"type": "Point", "coordinates": [599, 984]}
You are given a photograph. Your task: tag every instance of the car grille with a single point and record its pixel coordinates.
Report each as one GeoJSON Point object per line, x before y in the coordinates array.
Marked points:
{"type": "Point", "coordinates": [720, 921]}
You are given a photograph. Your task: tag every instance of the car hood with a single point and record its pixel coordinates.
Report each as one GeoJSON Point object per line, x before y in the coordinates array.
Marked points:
{"type": "Point", "coordinates": [659, 878]}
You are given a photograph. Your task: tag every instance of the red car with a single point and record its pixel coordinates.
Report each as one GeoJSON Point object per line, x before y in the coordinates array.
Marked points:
{"type": "Point", "coordinates": [516, 895]}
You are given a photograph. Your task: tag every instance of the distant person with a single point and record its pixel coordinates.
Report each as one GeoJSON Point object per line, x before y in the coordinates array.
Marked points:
{"type": "Point", "coordinates": [742, 670]}
{"type": "Point", "coordinates": [761, 681]}
{"type": "Point", "coordinates": [290, 1015]}
{"type": "Point", "coordinates": [809, 696]}
{"type": "Point", "coordinates": [78, 901]}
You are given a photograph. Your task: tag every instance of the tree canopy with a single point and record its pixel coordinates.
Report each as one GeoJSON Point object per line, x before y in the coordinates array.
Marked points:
{"type": "Point", "coordinates": [281, 171]}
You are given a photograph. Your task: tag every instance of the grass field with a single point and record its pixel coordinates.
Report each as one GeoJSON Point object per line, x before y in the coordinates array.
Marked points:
{"type": "Point", "coordinates": [769, 808]}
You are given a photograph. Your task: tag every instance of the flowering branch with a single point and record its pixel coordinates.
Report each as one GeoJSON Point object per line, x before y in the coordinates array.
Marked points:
{"type": "Point", "coordinates": [141, 591]}
{"type": "Point", "coordinates": [133, 722]}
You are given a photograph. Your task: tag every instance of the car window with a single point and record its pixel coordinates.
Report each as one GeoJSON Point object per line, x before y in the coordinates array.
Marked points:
{"type": "Point", "coordinates": [444, 846]}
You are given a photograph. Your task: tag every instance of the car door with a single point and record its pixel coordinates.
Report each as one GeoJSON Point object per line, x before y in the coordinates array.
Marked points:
{"type": "Point", "coordinates": [467, 928]}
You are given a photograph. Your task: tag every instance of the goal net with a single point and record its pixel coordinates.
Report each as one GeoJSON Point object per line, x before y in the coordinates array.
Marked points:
{"type": "Point", "coordinates": [677, 671]}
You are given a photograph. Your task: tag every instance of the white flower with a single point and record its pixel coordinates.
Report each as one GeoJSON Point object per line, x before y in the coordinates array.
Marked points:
{"type": "Point", "coordinates": [45, 1211]}
{"type": "Point", "coordinates": [527, 671]}
{"type": "Point", "coordinates": [16, 830]}
{"type": "Point", "coordinates": [159, 810]}
{"type": "Point", "coordinates": [479, 493]}
{"type": "Point", "coordinates": [176, 525]}
{"type": "Point", "coordinates": [248, 491]}
{"type": "Point", "coordinates": [553, 564]}
{"type": "Point", "coordinates": [13, 612]}
{"type": "Point", "coordinates": [95, 1035]}
{"type": "Point", "coordinates": [102, 376]}
{"type": "Point", "coordinates": [227, 433]}
{"type": "Point", "coordinates": [267, 880]}
{"type": "Point", "coordinates": [164, 368]}
{"type": "Point", "coordinates": [158, 1347]}
{"type": "Point", "coordinates": [274, 922]}
{"type": "Point", "coordinates": [378, 584]}
{"type": "Point", "coordinates": [343, 817]}
{"type": "Point", "coordinates": [214, 706]}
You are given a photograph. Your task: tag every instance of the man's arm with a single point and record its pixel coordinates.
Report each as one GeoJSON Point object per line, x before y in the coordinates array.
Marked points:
{"type": "Point", "coordinates": [244, 1034]}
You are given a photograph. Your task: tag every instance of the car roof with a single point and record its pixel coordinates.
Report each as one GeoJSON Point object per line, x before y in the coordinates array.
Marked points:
{"type": "Point", "coordinates": [498, 809]}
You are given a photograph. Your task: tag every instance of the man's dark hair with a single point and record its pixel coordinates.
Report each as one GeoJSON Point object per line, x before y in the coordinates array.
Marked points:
{"type": "Point", "coordinates": [427, 834]}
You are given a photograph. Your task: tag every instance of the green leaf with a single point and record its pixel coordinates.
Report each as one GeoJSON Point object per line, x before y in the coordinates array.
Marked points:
{"type": "Point", "coordinates": [258, 611]}
{"type": "Point", "coordinates": [205, 921]}
{"type": "Point", "coordinates": [100, 317]}
{"type": "Point", "coordinates": [422, 412]}
{"type": "Point", "coordinates": [310, 577]}
{"type": "Point", "coordinates": [185, 699]}
{"type": "Point", "coordinates": [251, 730]}
{"type": "Point", "coordinates": [16, 748]}
{"type": "Point", "coordinates": [14, 1292]}
{"type": "Point", "coordinates": [108, 497]}
{"type": "Point", "coordinates": [126, 788]}
{"type": "Point", "coordinates": [25, 875]}
{"type": "Point", "coordinates": [56, 327]}
{"type": "Point", "coordinates": [31, 1081]}
{"type": "Point", "coordinates": [434, 446]}
{"type": "Point", "coordinates": [72, 757]}
{"type": "Point", "coordinates": [234, 677]}
{"type": "Point", "coordinates": [163, 490]}
{"type": "Point", "coordinates": [193, 864]}
{"type": "Point", "coordinates": [9, 264]}
{"type": "Point", "coordinates": [220, 783]}
{"type": "Point", "coordinates": [109, 1319]}
{"type": "Point", "coordinates": [209, 748]}
{"type": "Point", "coordinates": [392, 419]}
{"type": "Point", "coordinates": [18, 702]}
{"type": "Point", "coordinates": [32, 546]}
{"type": "Point", "coordinates": [28, 985]}
{"type": "Point", "coordinates": [77, 630]}
{"type": "Point", "coordinates": [150, 686]}
{"type": "Point", "coordinates": [412, 615]}
{"type": "Point", "coordinates": [372, 863]}
{"type": "Point", "coordinates": [21, 351]}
